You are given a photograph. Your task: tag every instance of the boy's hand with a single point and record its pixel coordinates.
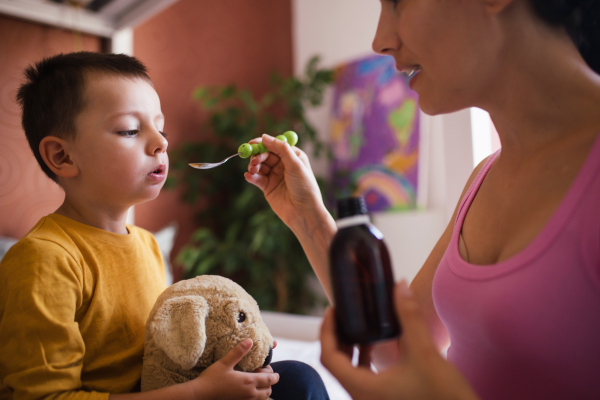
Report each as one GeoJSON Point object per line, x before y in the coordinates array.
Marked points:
{"type": "Point", "coordinates": [419, 373]}
{"type": "Point", "coordinates": [287, 180]}
{"type": "Point", "coordinates": [220, 381]}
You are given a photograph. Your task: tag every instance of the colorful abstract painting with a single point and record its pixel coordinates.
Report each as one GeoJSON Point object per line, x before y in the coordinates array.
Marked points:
{"type": "Point", "coordinates": [374, 135]}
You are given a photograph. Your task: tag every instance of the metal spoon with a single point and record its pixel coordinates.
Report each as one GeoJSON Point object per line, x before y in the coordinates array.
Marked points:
{"type": "Point", "coordinates": [211, 165]}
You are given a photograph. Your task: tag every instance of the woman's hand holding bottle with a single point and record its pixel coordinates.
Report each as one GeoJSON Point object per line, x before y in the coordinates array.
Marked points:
{"type": "Point", "coordinates": [419, 373]}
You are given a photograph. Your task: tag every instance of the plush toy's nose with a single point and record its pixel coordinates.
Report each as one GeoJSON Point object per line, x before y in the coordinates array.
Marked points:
{"type": "Point", "coordinates": [269, 357]}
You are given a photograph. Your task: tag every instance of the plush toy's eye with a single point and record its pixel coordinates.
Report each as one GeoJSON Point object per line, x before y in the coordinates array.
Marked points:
{"type": "Point", "coordinates": [241, 316]}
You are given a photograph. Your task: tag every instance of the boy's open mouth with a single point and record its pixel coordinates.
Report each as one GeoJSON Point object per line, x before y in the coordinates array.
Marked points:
{"type": "Point", "coordinates": [158, 170]}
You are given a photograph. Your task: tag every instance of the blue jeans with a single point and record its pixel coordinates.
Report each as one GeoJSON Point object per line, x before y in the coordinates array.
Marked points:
{"type": "Point", "coordinates": [297, 381]}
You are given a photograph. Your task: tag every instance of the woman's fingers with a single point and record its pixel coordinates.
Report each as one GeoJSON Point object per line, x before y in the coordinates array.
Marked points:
{"type": "Point", "coordinates": [329, 335]}
{"type": "Point", "coordinates": [336, 358]}
{"type": "Point", "coordinates": [364, 356]}
{"type": "Point", "coordinates": [385, 354]}
{"type": "Point", "coordinates": [258, 180]}
{"type": "Point", "coordinates": [268, 158]}
{"type": "Point", "coordinates": [255, 140]}
{"type": "Point", "coordinates": [254, 167]}
{"type": "Point", "coordinates": [280, 156]}
{"type": "Point", "coordinates": [281, 149]}
{"type": "Point", "coordinates": [415, 332]}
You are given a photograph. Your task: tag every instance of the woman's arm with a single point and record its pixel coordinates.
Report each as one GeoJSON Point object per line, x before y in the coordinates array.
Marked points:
{"type": "Point", "coordinates": [289, 185]}
{"type": "Point", "coordinates": [286, 178]}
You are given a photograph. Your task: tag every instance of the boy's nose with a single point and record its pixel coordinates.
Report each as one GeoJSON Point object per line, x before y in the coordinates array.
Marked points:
{"type": "Point", "coordinates": [159, 144]}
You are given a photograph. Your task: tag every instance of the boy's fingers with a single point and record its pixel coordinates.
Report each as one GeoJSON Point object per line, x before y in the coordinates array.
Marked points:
{"type": "Point", "coordinates": [267, 369]}
{"type": "Point", "coordinates": [415, 332]}
{"type": "Point", "coordinates": [263, 393]}
{"type": "Point", "coordinates": [234, 356]}
{"type": "Point", "coordinates": [266, 379]}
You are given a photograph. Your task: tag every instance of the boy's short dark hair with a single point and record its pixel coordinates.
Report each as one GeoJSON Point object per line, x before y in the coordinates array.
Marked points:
{"type": "Point", "coordinates": [53, 94]}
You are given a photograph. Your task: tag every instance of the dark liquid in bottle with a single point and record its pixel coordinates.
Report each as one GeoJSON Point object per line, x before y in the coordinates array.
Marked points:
{"type": "Point", "coordinates": [363, 284]}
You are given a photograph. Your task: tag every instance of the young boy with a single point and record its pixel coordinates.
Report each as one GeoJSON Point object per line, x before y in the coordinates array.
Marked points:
{"type": "Point", "coordinates": [75, 292]}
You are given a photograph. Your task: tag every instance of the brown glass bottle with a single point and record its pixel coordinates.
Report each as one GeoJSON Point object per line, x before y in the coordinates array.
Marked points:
{"type": "Point", "coordinates": [361, 278]}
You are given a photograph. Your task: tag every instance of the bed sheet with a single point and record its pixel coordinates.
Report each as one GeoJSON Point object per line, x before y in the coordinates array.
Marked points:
{"type": "Point", "coordinates": [309, 352]}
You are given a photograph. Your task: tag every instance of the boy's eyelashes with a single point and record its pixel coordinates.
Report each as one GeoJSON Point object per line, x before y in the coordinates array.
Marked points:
{"type": "Point", "coordinates": [128, 133]}
{"type": "Point", "coordinates": [135, 132]}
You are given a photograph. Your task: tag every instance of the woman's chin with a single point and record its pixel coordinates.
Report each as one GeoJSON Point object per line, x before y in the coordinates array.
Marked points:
{"type": "Point", "coordinates": [438, 108]}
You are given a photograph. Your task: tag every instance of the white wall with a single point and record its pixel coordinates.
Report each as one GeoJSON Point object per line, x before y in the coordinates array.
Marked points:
{"type": "Point", "coordinates": [338, 30]}
{"type": "Point", "coordinates": [343, 30]}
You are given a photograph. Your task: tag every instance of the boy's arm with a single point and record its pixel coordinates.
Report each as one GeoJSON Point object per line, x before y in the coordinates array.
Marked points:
{"type": "Point", "coordinates": [220, 381]}
{"type": "Point", "coordinates": [41, 348]}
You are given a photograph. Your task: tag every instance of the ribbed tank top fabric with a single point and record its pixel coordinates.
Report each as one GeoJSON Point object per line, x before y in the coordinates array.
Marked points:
{"type": "Point", "coordinates": [529, 327]}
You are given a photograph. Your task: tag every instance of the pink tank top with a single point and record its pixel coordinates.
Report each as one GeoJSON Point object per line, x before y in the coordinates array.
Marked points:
{"type": "Point", "coordinates": [529, 327]}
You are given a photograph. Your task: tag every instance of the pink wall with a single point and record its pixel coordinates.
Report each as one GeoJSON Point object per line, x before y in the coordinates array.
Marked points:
{"type": "Point", "coordinates": [191, 43]}
{"type": "Point", "coordinates": [208, 42]}
{"type": "Point", "coordinates": [26, 194]}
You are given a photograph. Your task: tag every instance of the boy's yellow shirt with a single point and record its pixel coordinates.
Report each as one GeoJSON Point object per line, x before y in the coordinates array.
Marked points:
{"type": "Point", "coordinates": [74, 300]}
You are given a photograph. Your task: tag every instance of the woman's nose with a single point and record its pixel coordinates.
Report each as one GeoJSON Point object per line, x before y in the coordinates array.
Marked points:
{"type": "Point", "coordinates": [386, 40]}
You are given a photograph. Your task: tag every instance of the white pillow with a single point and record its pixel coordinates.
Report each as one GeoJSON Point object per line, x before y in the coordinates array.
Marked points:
{"type": "Point", "coordinates": [165, 238]}
{"type": "Point", "coordinates": [5, 244]}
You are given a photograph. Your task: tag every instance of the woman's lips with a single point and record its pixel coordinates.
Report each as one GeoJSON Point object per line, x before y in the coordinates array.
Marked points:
{"type": "Point", "coordinates": [409, 70]}
{"type": "Point", "coordinates": [412, 78]}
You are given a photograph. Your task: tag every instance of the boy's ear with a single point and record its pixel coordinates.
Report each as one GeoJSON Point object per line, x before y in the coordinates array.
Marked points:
{"type": "Point", "coordinates": [54, 152]}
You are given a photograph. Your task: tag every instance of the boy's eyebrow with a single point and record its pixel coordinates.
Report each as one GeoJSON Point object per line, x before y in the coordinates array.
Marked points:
{"type": "Point", "coordinates": [159, 116]}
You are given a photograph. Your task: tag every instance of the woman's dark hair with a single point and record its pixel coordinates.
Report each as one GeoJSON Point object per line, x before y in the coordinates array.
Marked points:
{"type": "Point", "coordinates": [53, 93]}
{"type": "Point", "coordinates": [581, 18]}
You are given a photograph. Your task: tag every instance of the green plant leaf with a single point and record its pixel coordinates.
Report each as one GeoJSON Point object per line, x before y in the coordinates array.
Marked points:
{"type": "Point", "coordinates": [199, 93]}
{"type": "Point", "coordinates": [238, 235]}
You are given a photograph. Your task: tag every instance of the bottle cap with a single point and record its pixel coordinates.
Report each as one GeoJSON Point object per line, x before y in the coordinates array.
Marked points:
{"type": "Point", "coordinates": [351, 206]}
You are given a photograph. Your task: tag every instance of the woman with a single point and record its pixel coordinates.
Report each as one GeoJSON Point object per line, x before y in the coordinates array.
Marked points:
{"type": "Point", "coordinates": [513, 284]}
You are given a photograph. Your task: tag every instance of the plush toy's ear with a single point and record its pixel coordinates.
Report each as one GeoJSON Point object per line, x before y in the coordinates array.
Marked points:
{"type": "Point", "coordinates": [179, 329]}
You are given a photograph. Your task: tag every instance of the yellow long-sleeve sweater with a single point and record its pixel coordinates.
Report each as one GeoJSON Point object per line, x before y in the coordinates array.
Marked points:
{"type": "Point", "coordinates": [73, 304]}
